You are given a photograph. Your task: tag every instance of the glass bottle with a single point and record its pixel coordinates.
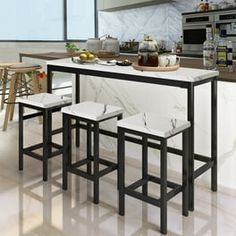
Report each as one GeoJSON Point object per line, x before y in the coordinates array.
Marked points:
{"type": "Point", "coordinates": [209, 50]}
{"type": "Point", "coordinates": [206, 5]}
{"type": "Point", "coordinates": [224, 53]}
{"type": "Point", "coordinates": [216, 35]}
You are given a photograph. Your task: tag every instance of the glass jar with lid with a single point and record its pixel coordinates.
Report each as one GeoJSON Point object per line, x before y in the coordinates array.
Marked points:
{"type": "Point", "coordinates": [148, 52]}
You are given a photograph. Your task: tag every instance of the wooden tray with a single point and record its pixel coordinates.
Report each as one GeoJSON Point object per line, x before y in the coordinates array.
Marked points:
{"type": "Point", "coordinates": [158, 68]}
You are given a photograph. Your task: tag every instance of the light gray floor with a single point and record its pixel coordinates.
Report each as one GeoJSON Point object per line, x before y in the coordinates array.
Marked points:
{"type": "Point", "coordinates": [31, 207]}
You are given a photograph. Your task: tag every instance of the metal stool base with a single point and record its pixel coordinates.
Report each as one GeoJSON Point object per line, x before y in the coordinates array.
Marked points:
{"type": "Point", "coordinates": [47, 145]}
{"type": "Point", "coordinates": [92, 174]}
{"type": "Point", "coordinates": [165, 195]}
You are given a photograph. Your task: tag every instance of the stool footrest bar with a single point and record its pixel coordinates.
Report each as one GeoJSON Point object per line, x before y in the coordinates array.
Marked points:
{"type": "Point", "coordinates": [80, 163]}
{"type": "Point", "coordinates": [108, 170]}
{"type": "Point", "coordinates": [80, 173]}
{"type": "Point", "coordinates": [174, 192]}
{"type": "Point", "coordinates": [157, 180]}
{"type": "Point", "coordinates": [140, 196]}
{"type": "Point", "coordinates": [137, 184]}
{"type": "Point", "coordinates": [201, 170]}
{"type": "Point", "coordinates": [33, 155]}
{"type": "Point", "coordinates": [33, 115]}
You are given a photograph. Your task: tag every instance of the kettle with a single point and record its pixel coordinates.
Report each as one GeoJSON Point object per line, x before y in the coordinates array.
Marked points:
{"type": "Point", "coordinates": [111, 44]}
{"type": "Point", "coordinates": [94, 45]}
{"type": "Point", "coordinates": [148, 52]}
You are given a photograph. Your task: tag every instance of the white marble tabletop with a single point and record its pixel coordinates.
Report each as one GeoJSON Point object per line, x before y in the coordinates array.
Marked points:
{"type": "Point", "coordinates": [182, 74]}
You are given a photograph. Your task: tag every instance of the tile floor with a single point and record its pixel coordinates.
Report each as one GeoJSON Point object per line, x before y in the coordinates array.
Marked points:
{"type": "Point", "coordinates": [31, 207]}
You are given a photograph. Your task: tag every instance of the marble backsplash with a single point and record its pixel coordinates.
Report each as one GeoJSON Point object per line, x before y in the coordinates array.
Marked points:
{"type": "Point", "coordinates": [163, 22]}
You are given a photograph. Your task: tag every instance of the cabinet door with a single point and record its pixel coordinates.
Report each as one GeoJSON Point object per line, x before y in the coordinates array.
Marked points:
{"type": "Point", "coordinates": [110, 5]}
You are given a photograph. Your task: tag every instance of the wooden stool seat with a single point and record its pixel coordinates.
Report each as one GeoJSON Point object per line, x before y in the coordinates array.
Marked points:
{"type": "Point", "coordinates": [19, 85]}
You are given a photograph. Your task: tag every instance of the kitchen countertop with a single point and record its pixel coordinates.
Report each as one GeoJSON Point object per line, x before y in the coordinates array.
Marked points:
{"type": "Point", "coordinates": [183, 74]}
{"type": "Point", "coordinates": [186, 61]}
{"type": "Point", "coordinates": [191, 62]}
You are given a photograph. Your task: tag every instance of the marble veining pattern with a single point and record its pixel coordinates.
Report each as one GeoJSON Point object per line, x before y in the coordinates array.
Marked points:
{"type": "Point", "coordinates": [154, 124]}
{"type": "Point", "coordinates": [45, 100]}
{"type": "Point", "coordinates": [92, 110]}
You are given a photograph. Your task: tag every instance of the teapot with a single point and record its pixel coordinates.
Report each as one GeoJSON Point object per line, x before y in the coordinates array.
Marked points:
{"type": "Point", "coordinates": [148, 52]}
{"type": "Point", "coordinates": [94, 45]}
{"type": "Point", "coordinates": [111, 44]}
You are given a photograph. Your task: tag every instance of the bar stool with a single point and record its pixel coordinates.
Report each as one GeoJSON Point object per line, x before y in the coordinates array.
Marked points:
{"type": "Point", "coordinates": [46, 104]}
{"type": "Point", "coordinates": [151, 126]}
{"type": "Point", "coordinates": [4, 80]}
{"type": "Point", "coordinates": [19, 86]}
{"type": "Point", "coordinates": [92, 114]}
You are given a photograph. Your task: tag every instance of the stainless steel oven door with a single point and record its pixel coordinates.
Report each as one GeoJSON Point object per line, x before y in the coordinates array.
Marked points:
{"type": "Point", "coordinates": [193, 38]}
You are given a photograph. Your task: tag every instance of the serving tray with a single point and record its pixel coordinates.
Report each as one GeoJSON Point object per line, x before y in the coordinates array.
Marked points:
{"type": "Point", "coordinates": [79, 61]}
{"type": "Point", "coordinates": [155, 68]}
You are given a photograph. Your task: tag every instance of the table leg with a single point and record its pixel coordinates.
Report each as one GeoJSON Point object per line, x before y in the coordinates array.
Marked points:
{"type": "Point", "coordinates": [49, 79]}
{"type": "Point", "coordinates": [77, 100]}
{"type": "Point", "coordinates": [191, 145]}
{"type": "Point", "coordinates": [214, 134]}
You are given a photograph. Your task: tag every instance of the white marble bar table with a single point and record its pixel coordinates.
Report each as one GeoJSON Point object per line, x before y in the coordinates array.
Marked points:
{"type": "Point", "coordinates": [185, 78]}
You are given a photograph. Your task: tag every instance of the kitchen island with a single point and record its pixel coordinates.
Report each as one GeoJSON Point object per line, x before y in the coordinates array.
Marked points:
{"type": "Point", "coordinates": [186, 61]}
{"type": "Point", "coordinates": [185, 78]}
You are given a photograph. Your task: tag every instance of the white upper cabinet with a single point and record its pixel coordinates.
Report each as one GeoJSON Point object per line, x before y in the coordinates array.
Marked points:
{"type": "Point", "coordinates": [115, 5]}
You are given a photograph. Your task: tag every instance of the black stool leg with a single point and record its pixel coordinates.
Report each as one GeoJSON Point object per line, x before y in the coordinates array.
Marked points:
{"type": "Point", "coordinates": [119, 117]}
{"type": "Point", "coordinates": [96, 164]}
{"type": "Point", "coordinates": [121, 170]}
{"type": "Point", "coordinates": [46, 141]}
{"type": "Point", "coordinates": [185, 173]}
{"type": "Point", "coordinates": [145, 164]}
{"type": "Point", "coordinates": [69, 149]}
{"type": "Point", "coordinates": [21, 136]}
{"type": "Point", "coordinates": [66, 148]}
{"type": "Point", "coordinates": [89, 147]}
{"type": "Point", "coordinates": [49, 133]}
{"type": "Point", "coordinates": [163, 186]}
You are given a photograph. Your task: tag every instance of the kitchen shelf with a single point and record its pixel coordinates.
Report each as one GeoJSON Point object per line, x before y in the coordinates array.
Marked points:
{"type": "Point", "coordinates": [202, 12]}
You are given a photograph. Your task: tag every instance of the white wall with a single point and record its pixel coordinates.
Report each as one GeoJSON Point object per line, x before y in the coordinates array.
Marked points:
{"type": "Point", "coordinates": [9, 51]}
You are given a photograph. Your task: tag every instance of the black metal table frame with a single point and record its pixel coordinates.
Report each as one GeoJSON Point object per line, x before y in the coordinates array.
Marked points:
{"type": "Point", "coordinates": [209, 162]}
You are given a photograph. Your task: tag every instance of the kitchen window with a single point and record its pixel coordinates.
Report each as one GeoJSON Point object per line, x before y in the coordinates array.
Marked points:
{"type": "Point", "coordinates": [47, 20]}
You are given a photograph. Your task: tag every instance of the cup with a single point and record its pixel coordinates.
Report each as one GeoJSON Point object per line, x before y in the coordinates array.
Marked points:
{"type": "Point", "coordinates": [173, 60]}
{"type": "Point", "coordinates": [163, 60]}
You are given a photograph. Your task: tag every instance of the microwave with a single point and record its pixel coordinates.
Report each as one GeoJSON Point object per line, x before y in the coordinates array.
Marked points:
{"type": "Point", "coordinates": [194, 28]}
{"type": "Point", "coordinates": [194, 31]}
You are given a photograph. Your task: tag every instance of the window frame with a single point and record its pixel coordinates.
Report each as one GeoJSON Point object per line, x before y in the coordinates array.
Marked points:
{"type": "Point", "coordinates": [65, 38]}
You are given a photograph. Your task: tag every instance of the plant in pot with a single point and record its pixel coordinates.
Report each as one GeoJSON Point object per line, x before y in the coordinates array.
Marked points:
{"type": "Point", "coordinates": [71, 48]}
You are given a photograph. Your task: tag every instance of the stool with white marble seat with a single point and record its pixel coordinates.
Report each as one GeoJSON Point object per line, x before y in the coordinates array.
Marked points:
{"type": "Point", "coordinates": [45, 104]}
{"type": "Point", "coordinates": [92, 114]}
{"type": "Point", "coordinates": [152, 126]}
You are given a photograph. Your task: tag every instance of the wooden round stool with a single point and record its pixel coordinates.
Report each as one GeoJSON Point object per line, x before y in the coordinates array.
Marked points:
{"type": "Point", "coordinates": [3, 81]}
{"type": "Point", "coordinates": [19, 86]}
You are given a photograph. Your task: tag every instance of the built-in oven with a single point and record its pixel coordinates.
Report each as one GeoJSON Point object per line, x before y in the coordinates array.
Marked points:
{"type": "Point", "coordinates": [194, 31]}
{"type": "Point", "coordinates": [194, 28]}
